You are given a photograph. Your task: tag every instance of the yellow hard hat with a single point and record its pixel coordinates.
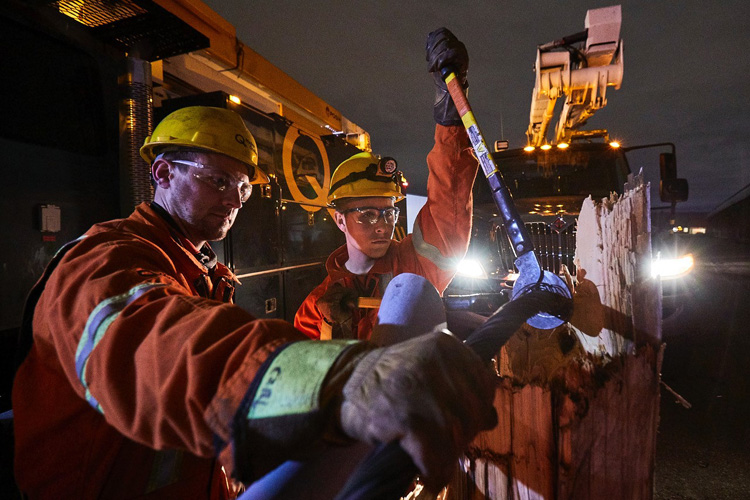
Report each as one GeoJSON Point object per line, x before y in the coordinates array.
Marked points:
{"type": "Point", "coordinates": [217, 130]}
{"type": "Point", "coordinates": [365, 175]}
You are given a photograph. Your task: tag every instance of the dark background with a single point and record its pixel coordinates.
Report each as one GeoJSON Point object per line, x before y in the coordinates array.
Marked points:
{"type": "Point", "coordinates": [703, 452]}
{"type": "Point", "coordinates": [685, 76]}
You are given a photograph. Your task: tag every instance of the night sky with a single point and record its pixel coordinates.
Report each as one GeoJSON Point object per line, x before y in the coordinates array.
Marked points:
{"type": "Point", "coordinates": [685, 80]}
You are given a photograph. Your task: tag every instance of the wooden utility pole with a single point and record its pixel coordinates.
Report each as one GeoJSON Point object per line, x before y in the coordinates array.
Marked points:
{"type": "Point", "coordinates": [579, 412]}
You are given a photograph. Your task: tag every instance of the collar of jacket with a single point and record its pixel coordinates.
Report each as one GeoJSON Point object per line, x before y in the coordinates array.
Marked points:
{"type": "Point", "coordinates": [160, 228]}
{"type": "Point", "coordinates": [205, 255]}
{"type": "Point", "coordinates": [335, 265]}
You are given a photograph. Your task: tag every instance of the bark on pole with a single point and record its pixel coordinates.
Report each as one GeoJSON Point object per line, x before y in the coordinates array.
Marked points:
{"type": "Point", "coordinates": [579, 414]}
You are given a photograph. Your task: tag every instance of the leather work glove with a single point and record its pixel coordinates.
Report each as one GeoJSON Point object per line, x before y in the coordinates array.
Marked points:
{"type": "Point", "coordinates": [336, 306]}
{"type": "Point", "coordinates": [445, 50]}
{"type": "Point", "coordinates": [431, 394]}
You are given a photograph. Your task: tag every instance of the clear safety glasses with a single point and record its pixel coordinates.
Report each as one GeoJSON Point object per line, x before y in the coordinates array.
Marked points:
{"type": "Point", "coordinates": [371, 215]}
{"type": "Point", "coordinates": [220, 181]}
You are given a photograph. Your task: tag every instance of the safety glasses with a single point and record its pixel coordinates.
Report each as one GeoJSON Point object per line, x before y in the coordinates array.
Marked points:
{"type": "Point", "coordinates": [217, 179]}
{"type": "Point", "coordinates": [371, 215]}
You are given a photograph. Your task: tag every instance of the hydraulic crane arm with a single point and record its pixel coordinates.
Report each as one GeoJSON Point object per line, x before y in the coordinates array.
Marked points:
{"type": "Point", "coordinates": [579, 67]}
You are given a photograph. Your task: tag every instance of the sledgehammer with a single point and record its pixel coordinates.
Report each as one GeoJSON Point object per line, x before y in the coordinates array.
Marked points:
{"type": "Point", "coordinates": [530, 274]}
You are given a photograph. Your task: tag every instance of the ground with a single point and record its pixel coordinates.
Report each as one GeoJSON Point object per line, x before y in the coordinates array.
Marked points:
{"type": "Point", "coordinates": [704, 452]}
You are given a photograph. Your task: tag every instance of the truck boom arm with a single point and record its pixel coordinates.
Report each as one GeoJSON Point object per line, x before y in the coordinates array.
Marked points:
{"type": "Point", "coordinates": [580, 71]}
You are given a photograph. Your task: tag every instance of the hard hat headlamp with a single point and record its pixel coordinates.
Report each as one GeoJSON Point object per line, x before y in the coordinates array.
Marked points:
{"type": "Point", "coordinates": [383, 171]}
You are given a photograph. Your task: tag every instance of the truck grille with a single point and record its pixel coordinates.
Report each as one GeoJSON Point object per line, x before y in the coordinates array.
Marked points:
{"type": "Point", "coordinates": [552, 248]}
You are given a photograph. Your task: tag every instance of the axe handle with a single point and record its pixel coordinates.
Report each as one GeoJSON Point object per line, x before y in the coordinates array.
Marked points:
{"type": "Point", "coordinates": [389, 470]}
{"type": "Point", "coordinates": [369, 302]}
{"type": "Point", "coordinates": [517, 232]}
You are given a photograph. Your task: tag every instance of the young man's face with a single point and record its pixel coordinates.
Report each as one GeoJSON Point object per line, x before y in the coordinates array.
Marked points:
{"type": "Point", "coordinates": [193, 198]}
{"type": "Point", "coordinates": [372, 240]}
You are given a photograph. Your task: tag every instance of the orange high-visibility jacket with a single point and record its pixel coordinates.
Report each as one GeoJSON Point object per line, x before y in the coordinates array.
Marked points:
{"type": "Point", "coordinates": [438, 242]}
{"type": "Point", "coordinates": [137, 368]}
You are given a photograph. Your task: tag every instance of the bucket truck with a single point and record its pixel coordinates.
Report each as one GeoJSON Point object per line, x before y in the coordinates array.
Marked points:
{"type": "Point", "coordinates": [550, 177]}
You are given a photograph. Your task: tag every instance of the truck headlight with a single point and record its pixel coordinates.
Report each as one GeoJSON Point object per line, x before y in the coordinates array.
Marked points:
{"type": "Point", "coordinates": [667, 269]}
{"type": "Point", "coordinates": [471, 268]}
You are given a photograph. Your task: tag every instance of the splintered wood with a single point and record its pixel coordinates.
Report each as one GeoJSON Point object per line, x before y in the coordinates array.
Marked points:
{"type": "Point", "coordinates": [613, 246]}
{"type": "Point", "coordinates": [578, 414]}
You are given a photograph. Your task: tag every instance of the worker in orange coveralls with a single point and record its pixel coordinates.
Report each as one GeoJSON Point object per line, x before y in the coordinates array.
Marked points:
{"type": "Point", "coordinates": [364, 190]}
{"type": "Point", "coordinates": [141, 378]}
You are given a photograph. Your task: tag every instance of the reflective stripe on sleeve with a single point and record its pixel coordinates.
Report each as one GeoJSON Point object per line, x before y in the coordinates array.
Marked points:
{"type": "Point", "coordinates": [431, 252]}
{"type": "Point", "coordinates": [96, 326]}
{"type": "Point", "coordinates": [291, 384]}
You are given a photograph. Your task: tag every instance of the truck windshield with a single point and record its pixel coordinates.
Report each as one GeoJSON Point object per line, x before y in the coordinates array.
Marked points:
{"type": "Point", "coordinates": [577, 171]}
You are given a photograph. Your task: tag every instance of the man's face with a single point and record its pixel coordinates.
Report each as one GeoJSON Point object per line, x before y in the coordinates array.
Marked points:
{"type": "Point", "coordinates": [194, 198]}
{"type": "Point", "coordinates": [372, 240]}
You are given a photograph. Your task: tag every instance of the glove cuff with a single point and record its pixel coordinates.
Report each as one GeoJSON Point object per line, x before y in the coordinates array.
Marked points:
{"type": "Point", "coordinates": [290, 405]}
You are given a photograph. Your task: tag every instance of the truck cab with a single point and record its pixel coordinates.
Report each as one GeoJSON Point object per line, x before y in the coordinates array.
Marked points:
{"type": "Point", "coordinates": [548, 187]}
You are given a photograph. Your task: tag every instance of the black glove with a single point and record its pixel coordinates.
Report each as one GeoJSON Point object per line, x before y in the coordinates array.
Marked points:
{"type": "Point", "coordinates": [445, 50]}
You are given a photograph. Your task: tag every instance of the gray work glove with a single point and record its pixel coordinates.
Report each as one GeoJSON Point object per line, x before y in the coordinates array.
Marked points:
{"type": "Point", "coordinates": [445, 50]}
{"type": "Point", "coordinates": [431, 394]}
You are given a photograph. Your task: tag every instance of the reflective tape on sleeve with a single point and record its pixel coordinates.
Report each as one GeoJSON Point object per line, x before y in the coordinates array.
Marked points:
{"type": "Point", "coordinates": [291, 384]}
{"type": "Point", "coordinates": [431, 252]}
{"type": "Point", "coordinates": [96, 327]}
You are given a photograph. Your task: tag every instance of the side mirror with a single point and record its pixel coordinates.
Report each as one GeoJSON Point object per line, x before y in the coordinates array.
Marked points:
{"type": "Point", "coordinates": [671, 189]}
{"type": "Point", "coordinates": [667, 166]}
